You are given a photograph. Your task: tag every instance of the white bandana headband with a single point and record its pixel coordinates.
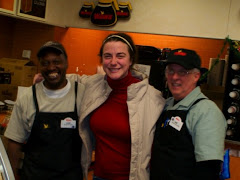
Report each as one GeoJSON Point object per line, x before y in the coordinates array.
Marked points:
{"type": "Point", "coordinates": [120, 37]}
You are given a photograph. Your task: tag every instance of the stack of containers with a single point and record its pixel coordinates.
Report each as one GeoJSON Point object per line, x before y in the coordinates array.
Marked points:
{"type": "Point", "coordinates": [231, 104]}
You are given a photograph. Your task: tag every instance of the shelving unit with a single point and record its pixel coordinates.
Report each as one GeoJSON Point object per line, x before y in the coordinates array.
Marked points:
{"type": "Point", "coordinates": [214, 93]}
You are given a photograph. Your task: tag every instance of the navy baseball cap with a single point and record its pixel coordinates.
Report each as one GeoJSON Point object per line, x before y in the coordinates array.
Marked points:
{"type": "Point", "coordinates": [51, 46]}
{"type": "Point", "coordinates": [186, 58]}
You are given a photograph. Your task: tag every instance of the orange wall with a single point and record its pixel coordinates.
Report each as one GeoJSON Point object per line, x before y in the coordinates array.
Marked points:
{"type": "Point", "coordinates": [83, 46]}
{"type": "Point", "coordinates": [30, 36]}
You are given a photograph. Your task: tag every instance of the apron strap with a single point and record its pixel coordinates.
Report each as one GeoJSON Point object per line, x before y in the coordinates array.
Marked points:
{"type": "Point", "coordinates": [76, 88]}
{"type": "Point", "coordinates": [35, 98]}
{"type": "Point", "coordinates": [196, 102]}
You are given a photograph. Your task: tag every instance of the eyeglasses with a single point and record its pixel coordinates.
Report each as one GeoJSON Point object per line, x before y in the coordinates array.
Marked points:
{"type": "Point", "coordinates": [181, 73]}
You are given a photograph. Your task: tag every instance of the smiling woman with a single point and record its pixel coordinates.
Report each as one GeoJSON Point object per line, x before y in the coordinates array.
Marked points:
{"type": "Point", "coordinates": [111, 123]}
{"type": "Point", "coordinates": [119, 111]}
{"type": "Point", "coordinates": [116, 60]}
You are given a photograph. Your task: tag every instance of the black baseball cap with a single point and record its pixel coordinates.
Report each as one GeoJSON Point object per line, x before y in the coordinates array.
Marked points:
{"type": "Point", "coordinates": [186, 58]}
{"type": "Point", "coordinates": [51, 46]}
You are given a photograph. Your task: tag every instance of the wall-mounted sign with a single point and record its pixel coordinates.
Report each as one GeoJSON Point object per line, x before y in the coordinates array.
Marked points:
{"type": "Point", "coordinates": [86, 10]}
{"type": "Point", "coordinates": [124, 10]}
{"type": "Point", "coordinates": [34, 9]}
{"type": "Point", "coordinates": [106, 12]}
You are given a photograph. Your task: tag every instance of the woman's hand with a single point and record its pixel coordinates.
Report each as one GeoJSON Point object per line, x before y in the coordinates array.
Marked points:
{"type": "Point", "coordinates": [37, 78]}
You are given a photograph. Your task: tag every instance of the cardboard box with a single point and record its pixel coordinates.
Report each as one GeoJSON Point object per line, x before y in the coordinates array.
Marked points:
{"type": "Point", "coordinates": [8, 91]}
{"type": "Point", "coordinates": [22, 71]}
{"type": "Point", "coordinates": [215, 77]}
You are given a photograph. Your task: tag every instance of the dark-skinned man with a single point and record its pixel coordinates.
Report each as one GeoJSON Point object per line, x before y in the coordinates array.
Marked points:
{"type": "Point", "coordinates": [44, 122]}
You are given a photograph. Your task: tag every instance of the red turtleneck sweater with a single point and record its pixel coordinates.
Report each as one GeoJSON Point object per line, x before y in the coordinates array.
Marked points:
{"type": "Point", "coordinates": [110, 125]}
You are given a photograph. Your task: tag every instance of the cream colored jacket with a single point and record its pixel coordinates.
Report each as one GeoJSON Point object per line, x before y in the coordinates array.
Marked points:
{"type": "Point", "coordinates": [145, 105]}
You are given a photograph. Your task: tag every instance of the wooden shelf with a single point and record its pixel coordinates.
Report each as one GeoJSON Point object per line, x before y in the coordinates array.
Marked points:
{"type": "Point", "coordinates": [229, 144]}
{"type": "Point", "coordinates": [214, 93]}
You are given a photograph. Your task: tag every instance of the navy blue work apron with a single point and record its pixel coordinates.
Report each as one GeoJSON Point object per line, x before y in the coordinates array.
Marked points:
{"type": "Point", "coordinates": [52, 152]}
{"type": "Point", "coordinates": [173, 155]}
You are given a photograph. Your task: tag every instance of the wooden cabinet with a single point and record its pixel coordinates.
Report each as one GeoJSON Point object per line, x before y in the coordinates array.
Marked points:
{"type": "Point", "coordinates": [50, 12]}
{"type": "Point", "coordinates": [32, 9]}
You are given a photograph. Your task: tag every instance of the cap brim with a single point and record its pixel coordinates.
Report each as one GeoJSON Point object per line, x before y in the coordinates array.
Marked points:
{"type": "Point", "coordinates": [180, 63]}
{"type": "Point", "coordinates": [48, 48]}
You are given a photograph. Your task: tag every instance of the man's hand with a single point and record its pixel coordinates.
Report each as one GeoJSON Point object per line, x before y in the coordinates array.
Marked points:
{"type": "Point", "coordinates": [37, 78]}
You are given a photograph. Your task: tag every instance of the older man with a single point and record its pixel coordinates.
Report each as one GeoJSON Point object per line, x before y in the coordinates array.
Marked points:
{"type": "Point", "coordinates": [190, 133]}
